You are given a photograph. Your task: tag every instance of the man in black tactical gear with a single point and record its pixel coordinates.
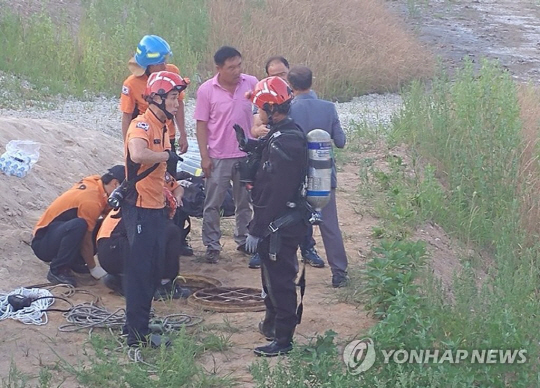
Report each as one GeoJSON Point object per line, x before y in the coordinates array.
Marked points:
{"type": "Point", "coordinates": [280, 216]}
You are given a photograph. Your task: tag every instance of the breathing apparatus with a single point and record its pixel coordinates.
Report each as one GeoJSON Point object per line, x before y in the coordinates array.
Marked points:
{"type": "Point", "coordinates": [319, 176]}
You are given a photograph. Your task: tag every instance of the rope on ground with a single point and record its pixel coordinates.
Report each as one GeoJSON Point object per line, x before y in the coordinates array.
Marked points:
{"type": "Point", "coordinates": [35, 313]}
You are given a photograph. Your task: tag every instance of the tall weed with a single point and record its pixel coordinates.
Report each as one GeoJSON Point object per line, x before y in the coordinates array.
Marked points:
{"type": "Point", "coordinates": [470, 130]}
{"type": "Point", "coordinates": [353, 47]}
{"type": "Point", "coordinates": [90, 55]}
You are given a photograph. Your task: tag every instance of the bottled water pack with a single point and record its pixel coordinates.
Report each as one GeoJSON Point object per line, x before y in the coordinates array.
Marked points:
{"type": "Point", "coordinates": [16, 165]}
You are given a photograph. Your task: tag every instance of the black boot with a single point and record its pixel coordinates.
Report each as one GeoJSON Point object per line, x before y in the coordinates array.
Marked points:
{"type": "Point", "coordinates": [113, 282]}
{"type": "Point", "coordinates": [267, 326]}
{"type": "Point", "coordinates": [273, 349]}
{"type": "Point", "coordinates": [282, 344]}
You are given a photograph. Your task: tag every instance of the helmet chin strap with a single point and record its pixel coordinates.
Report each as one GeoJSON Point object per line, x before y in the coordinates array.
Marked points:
{"type": "Point", "coordinates": [161, 106]}
{"type": "Point", "coordinates": [269, 114]}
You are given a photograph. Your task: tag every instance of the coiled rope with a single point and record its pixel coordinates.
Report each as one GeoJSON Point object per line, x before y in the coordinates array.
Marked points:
{"type": "Point", "coordinates": [35, 314]}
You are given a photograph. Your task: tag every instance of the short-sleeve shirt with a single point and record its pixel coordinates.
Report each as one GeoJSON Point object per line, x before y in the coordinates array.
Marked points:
{"type": "Point", "coordinates": [148, 191]}
{"type": "Point", "coordinates": [132, 97]}
{"type": "Point", "coordinates": [87, 199]}
{"type": "Point", "coordinates": [221, 110]}
{"type": "Point", "coordinates": [109, 225]}
{"type": "Point", "coordinates": [112, 225]}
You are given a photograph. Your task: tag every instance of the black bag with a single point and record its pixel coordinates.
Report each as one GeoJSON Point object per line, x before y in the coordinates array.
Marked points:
{"type": "Point", "coordinates": [194, 196]}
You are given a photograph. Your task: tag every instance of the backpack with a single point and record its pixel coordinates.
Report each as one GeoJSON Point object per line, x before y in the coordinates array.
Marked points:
{"type": "Point", "coordinates": [195, 195]}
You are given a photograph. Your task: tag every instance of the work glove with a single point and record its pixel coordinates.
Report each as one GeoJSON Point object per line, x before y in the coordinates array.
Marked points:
{"type": "Point", "coordinates": [172, 162]}
{"type": "Point", "coordinates": [173, 158]}
{"type": "Point", "coordinates": [251, 243]}
{"type": "Point", "coordinates": [97, 272]}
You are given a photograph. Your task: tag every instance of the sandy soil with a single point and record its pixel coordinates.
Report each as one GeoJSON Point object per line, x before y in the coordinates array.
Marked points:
{"type": "Point", "coordinates": [69, 153]}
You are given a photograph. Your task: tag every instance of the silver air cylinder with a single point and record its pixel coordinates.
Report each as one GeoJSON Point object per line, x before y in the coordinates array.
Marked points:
{"type": "Point", "coordinates": [319, 171]}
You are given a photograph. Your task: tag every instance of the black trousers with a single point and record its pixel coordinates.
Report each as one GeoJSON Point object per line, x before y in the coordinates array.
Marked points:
{"type": "Point", "coordinates": [278, 278]}
{"type": "Point", "coordinates": [114, 251]}
{"type": "Point", "coordinates": [60, 243]}
{"type": "Point", "coordinates": [143, 266]}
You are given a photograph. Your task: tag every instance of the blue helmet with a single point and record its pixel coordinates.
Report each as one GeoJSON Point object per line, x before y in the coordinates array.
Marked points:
{"type": "Point", "coordinates": [152, 50]}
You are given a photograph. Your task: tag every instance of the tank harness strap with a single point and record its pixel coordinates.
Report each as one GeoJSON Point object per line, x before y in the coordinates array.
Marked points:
{"type": "Point", "coordinates": [273, 230]}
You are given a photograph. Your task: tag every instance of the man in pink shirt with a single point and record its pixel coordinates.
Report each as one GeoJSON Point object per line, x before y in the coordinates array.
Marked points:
{"type": "Point", "coordinates": [221, 103]}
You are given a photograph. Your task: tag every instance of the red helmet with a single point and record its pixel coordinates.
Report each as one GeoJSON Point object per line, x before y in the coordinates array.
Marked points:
{"type": "Point", "coordinates": [162, 82]}
{"type": "Point", "coordinates": [271, 92]}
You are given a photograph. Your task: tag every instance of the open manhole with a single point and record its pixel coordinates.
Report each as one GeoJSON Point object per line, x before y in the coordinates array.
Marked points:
{"type": "Point", "coordinates": [228, 299]}
{"type": "Point", "coordinates": [196, 282]}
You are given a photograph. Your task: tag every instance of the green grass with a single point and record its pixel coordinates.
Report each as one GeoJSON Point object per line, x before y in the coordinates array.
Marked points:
{"type": "Point", "coordinates": [466, 135]}
{"type": "Point", "coordinates": [91, 57]}
{"type": "Point", "coordinates": [173, 367]}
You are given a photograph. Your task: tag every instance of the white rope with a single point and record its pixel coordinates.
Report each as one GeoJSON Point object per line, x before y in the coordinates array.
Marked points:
{"type": "Point", "coordinates": [31, 315]}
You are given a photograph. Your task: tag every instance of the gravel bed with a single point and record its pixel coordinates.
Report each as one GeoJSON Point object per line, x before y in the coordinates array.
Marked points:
{"type": "Point", "coordinates": [102, 113]}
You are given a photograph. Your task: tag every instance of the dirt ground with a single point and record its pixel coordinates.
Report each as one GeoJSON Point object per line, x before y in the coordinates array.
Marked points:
{"type": "Point", "coordinates": [507, 30]}
{"type": "Point", "coordinates": [59, 166]}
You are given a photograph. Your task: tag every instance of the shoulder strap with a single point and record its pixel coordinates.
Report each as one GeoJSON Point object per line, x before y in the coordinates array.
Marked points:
{"type": "Point", "coordinates": [142, 175]}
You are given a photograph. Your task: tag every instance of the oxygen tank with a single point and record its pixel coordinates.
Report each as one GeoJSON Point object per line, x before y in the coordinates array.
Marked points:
{"type": "Point", "coordinates": [319, 171]}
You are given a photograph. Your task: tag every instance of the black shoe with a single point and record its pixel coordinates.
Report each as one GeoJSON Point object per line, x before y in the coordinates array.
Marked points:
{"type": "Point", "coordinates": [81, 268]}
{"type": "Point", "coordinates": [242, 248]}
{"type": "Point", "coordinates": [152, 341]}
{"type": "Point", "coordinates": [212, 256]}
{"type": "Point", "coordinates": [268, 333]}
{"type": "Point", "coordinates": [273, 349]}
{"type": "Point", "coordinates": [62, 277]}
{"type": "Point", "coordinates": [186, 249]}
{"type": "Point", "coordinates": [339, 281]}
{"type": "Point", "coordinates": [312, 258]}
{"type": "Point", "coordinates": [181, 292]}
{"type": "Point", "coordinates": [167, 292]}
{"type": "Point", "coordinates": [255, 261]}
{"type": "Point", "coordinates": [113, 282]}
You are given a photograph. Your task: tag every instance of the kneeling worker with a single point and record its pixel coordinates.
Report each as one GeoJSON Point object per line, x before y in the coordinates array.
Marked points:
{"type": "Point", "coordinates": [113, 254]}
{"type": "Point", "coordinates": [280, 218]}
{"type": "Point", "coordinates": [63, 234]}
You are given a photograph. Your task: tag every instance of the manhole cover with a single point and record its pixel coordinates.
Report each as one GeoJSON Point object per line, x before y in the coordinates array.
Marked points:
{"type": "Point", "coordinates": [228, 299]}
{"type": "Point", "coordinates": [196, 282]}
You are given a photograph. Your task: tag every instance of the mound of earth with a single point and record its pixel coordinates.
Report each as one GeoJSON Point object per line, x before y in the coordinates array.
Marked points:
{"type": "Point", "coordinates": [67, 154]}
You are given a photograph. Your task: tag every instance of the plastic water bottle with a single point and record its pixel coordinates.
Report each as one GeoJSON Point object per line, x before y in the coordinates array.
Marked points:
{"type": "Point", "coordinates": [2, 163]}
{"type": "Point", "coordinates": [23, 170]}
{"type": "Point", "coordinates": [16, 167]}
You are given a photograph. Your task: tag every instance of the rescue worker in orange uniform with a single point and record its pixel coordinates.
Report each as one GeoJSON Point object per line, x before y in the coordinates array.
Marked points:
{"type": "Point", "coordinates": [63, 234]}
{"type": "Point", "coordinates": [113, 249]}
{"type": "Point", "coordinates": [147, 148]}
{"type": "Point", "coordinates": [150, 57]}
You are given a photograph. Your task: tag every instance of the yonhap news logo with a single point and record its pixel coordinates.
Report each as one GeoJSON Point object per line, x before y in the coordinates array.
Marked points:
{"type": "Point", "coordinates": [360, 355]}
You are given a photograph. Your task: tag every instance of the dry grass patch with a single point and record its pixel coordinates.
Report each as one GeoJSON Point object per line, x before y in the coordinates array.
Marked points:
{"type": "Point", "coordinates": [352, 46]}
{"type": "Point", "coordinates": [529, 99]}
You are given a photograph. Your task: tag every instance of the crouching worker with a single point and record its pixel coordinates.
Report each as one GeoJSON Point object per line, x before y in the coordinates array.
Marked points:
{"type": "Point", "coordinates": [113, 252]}
{"type": "Point", "coordinates": [63, 234]}
{"type": "Point", "coordinates": [280, 218]}
{"type": "Point", "coordinates": [147, 151]}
